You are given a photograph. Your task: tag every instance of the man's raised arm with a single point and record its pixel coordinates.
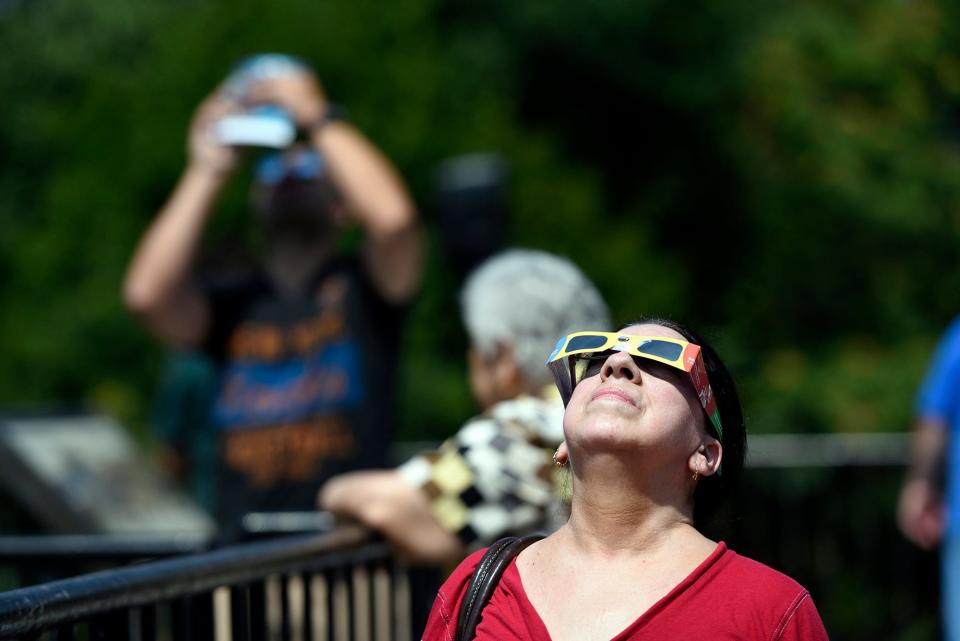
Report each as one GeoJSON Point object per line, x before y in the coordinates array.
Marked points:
{"type": "Point", "coordinates": [157, 286]}
{"type": "Point", "coordinates": [373, 191]}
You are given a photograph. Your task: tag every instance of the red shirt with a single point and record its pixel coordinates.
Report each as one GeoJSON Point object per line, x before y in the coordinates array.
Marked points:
{"type": "Point", "coordinates": [727, 597]}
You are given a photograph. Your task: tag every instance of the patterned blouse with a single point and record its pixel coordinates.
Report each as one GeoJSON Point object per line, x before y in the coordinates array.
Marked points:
{"type": "Point", "coordinates": [496, 475]}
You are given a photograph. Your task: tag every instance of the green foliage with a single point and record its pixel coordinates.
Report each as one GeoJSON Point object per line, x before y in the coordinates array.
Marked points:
{"type": "Point", "coordinates": [785, 174]}
{"type": "Point", "coordinates": [856, 385]}
{"type": "Point", "coordinates": [786, 177]}
{"type": "Point", "coordinates": [848, 162]}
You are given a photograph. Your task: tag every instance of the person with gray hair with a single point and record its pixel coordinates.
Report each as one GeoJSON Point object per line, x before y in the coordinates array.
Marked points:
{"type": "Point", "coordinates": [494, 477]}
{"type": "Point", "coordinates": [523, 301]}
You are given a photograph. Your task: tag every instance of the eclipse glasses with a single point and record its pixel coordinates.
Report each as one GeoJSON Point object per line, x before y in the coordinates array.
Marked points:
{"type": "Point", "coordinates": [574, 353]}
{"type": "Point", "coordinates": [302, 164]}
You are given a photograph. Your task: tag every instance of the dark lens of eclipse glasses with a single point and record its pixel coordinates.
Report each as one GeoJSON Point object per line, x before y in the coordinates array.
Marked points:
{"type": "Point", "coordinates": [661, 349]}
{"type": "Point", "coordinates": [586, 342]}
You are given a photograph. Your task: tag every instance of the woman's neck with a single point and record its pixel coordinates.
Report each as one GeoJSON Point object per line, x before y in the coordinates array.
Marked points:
{"type": "Point", "coordinates": [616, 509]}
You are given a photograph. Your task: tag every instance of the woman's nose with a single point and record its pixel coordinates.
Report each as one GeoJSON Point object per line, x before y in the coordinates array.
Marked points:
{"type": "Point", "coordinates": [620, 365]}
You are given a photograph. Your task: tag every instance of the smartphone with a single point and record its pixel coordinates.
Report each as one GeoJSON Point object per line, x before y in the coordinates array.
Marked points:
{"type": "Point", "coordinates": [262, 127]}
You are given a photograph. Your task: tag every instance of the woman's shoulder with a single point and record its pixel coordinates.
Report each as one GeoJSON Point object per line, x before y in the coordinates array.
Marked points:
{"type": "Point", "coordinates": [442, 621]}
{"type": "Point", "coordinates": [754, 575]}
{"type": "Point", "coordinates": [456, 584]}
{"type": "Point", "coordinates": [743, 585]}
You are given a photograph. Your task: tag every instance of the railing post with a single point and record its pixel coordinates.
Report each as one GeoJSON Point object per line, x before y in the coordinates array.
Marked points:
{"type": "Point", "coordinates": [340, 611]}
{"type": "Point", "coordinates": [296, 608]}
{"type": "Point", "coordinates": [319, 600]}
{"type": "Point", "coordinates": [274, 605]}
{"type": "Point", "coordinates": [362, 607]}
{"type": "Point", "coordinates": [402, 604]}
{"type": "Point", "coordinates": [381, 602]}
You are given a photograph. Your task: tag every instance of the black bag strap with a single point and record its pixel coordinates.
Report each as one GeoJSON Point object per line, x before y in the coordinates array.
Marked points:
{"type": "Point", "coordinates": [485, 579]}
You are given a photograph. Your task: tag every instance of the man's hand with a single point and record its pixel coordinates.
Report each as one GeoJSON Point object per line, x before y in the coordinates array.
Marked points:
{"type": "Point", "coordinates": [920, 513]}
{"type": "Point", "coordinates": [207, 154]}
{"type": "Point", "coordinates": [157, 286]}
{"type": "Point", "coordinates": [921, 510]}
{"type": "Point", "coordinates": [298, 92]}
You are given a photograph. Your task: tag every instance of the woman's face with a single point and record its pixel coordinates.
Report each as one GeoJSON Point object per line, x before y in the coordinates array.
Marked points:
{"type": "Point", "coordinates": [635, 404]}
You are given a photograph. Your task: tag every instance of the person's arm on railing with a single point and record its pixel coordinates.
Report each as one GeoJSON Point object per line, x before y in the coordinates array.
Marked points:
{"type": "Point", "coordinates": [374, 194]}
{"type": "Point", "coordinates": [920, 510]}
{"type": "Point", "coordinates": [386, 502]}
{"type": "Point", "coordinates": [157, 286]}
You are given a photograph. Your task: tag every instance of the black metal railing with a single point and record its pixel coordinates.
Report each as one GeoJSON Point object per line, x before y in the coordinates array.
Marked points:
{"type": "Point", "coordinates": [337, 586]}
{"type": "Point", "coordinates": [818, 507]}
{"type": "Point", "coordinates": [31, 559]}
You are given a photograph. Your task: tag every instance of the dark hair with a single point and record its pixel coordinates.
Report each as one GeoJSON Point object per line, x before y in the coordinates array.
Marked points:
{"type": "Point", "coordinates": [713, 491]}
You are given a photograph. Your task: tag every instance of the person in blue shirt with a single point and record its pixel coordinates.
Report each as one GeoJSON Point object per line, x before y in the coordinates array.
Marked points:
{"type": "Point", "coordinates": [929, 506]}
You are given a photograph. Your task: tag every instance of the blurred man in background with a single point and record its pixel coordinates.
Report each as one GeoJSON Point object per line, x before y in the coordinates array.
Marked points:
{"type": "Point", "coordinates": [929, 506]}
{"type": "Point", "coordinates": [494, 476]}
{"type": "Point", "coordinates": [306, 343]}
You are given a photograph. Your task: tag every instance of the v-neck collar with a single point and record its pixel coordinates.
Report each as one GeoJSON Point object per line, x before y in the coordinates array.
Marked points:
{"type": "Point", "coordinates": [535, 623]}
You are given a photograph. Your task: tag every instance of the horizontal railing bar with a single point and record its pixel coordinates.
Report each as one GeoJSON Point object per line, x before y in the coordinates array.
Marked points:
{"type": "Point", "coordinates": [274, 523]}
{"type": "Point", "coordinates": [839, 449]}
{"type": "Point", "coordinates": [100, 546]}
{"type": "Point", "coordinates": [40, 607]}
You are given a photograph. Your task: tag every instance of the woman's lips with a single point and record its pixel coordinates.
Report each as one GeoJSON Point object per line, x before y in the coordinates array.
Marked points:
{"type": "Point", "coordinates": [612, 393]}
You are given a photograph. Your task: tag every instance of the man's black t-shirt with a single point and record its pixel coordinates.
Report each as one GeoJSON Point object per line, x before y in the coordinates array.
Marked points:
{"type": "Point", "coordinates": [306, 387]}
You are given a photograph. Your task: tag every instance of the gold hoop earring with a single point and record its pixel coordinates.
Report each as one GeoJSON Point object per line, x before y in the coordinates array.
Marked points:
{"type": "Point", "coordinates": [696, 475]}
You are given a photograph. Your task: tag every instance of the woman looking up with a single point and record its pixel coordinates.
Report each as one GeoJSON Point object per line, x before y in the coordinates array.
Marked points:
{"type": "Point", "coordinates": [653, 425]}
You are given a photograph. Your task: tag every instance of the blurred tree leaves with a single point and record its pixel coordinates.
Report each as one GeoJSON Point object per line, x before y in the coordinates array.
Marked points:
{"type": "Point", "coordinates": [784, 175]}
{"type": "Point", "coordinates": [844, 134]}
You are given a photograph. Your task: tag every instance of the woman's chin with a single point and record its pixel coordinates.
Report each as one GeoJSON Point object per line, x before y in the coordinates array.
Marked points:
{"type": "Point", "coordinates": [611, 435]}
